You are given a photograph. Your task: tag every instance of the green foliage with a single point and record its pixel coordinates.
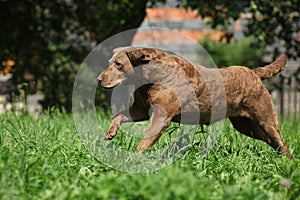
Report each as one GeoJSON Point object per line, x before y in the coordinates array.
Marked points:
{"type": "Point", "coordinates": [222, 12]}
{"type": "Point", "coordinates": [62, 72]}
{"type": "Point", "coordinates": [234, 53]}
{"type": "Point", "coordinates": [44, 158]}
{"type": "Point", "coordinates": [269, 22]}
{"type": "Point", "coordinates": [50, 38]}
{"type": "Point", "coordinates": [274, 22]}
{"type": "Point", "coordinates": [38, 35]}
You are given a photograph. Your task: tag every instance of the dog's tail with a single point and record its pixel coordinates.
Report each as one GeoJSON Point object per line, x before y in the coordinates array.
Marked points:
{"type": "Point", "coordinates": [272, 69]}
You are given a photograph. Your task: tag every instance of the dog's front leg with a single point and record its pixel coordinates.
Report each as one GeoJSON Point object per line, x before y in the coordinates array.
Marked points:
{"type": "Point", "coordinates": [133, 114]}
{"type": "Point", "coordinates": [159, 123]}
{"type": "Point", "coordinates": [115, 125]}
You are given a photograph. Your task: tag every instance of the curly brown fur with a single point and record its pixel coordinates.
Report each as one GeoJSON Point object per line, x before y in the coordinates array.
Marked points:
{"type": "Point", "coordinates": [173, 79]}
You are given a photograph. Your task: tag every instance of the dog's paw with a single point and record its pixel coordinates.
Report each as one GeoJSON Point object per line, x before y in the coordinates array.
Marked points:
{"type": "Point", "coordinates": [109, 135]}
{"type": "Point", "coordinates": [107, 138]}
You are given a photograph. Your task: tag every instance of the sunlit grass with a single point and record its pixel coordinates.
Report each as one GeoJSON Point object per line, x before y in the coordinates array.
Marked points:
{"type": "Point", "coordinates": [43, 158]}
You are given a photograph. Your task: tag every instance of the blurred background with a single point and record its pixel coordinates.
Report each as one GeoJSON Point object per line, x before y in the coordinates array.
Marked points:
{"type": "Point", "coordinates": [42, 43]}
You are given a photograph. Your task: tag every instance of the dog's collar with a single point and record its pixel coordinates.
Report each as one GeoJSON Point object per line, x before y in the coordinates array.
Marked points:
{"type": "Point", "coordinates": [129, 58]}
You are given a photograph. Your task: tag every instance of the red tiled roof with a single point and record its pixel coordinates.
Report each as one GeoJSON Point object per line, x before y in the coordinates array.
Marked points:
{"type": "Point", "coordinates": [171, 14]}
{"type": "Point", "coordinates": [182, 36]}
{"type": "Point", "coordinates": [167, 36]}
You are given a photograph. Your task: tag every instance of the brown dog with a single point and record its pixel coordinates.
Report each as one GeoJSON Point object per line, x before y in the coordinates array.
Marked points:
{"type": "Point", "coordinates": [175, 87]}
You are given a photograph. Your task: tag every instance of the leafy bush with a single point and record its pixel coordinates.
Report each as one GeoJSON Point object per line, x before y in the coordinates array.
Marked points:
{"type": "Point", "coordinates": [234, 53]}
{"type": "Point", "coordinates": [47, 39]}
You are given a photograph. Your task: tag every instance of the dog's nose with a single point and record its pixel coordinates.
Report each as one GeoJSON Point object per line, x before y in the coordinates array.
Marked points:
{"type": "Point", "coordinates": [99, 78]}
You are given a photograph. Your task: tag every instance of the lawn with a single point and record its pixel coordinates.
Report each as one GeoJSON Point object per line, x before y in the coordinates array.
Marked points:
{"type": "Point", "coordinates": [44, 158]}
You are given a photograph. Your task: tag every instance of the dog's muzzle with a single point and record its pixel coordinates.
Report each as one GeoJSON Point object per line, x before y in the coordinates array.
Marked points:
{"type": "Point", "coordinates": [100, 79]}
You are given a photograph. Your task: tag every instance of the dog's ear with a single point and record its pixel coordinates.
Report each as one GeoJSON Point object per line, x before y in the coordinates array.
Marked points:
{"type": "Point", "coordinates": [121, 49]}
{"type": "Point", "coordinates": [118, 51]}
{"type": "Point", "coordinates": [142, 56]}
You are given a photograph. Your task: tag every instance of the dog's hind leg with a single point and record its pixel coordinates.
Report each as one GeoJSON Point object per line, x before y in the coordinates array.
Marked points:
{"type": "Point", "coordinates": [249, 128]}
{"type": "Point", "coordinates": [253, 129]}
{"type": "Point", "coordinates": [271, 128]}
{"type": "Point", "coordinates": [134, 114]}
{"type": "Point", "coordinates": [159, 123]}
{"type": "Point", "coordinates": [264, 114]}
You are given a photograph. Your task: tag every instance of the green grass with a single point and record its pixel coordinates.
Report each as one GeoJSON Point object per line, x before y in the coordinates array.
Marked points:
{"type": "Point", "coordinates": [43, 158]}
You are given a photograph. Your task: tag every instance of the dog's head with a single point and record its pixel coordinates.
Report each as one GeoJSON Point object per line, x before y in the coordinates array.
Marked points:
{"type": "Point", "coordinates": [119, 67]}
{"type": "Point", "coordinates": [122, 64]}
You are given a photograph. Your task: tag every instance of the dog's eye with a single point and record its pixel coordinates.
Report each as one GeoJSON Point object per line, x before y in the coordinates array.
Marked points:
{"type": "Point", "coordinates": [119, 65]}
